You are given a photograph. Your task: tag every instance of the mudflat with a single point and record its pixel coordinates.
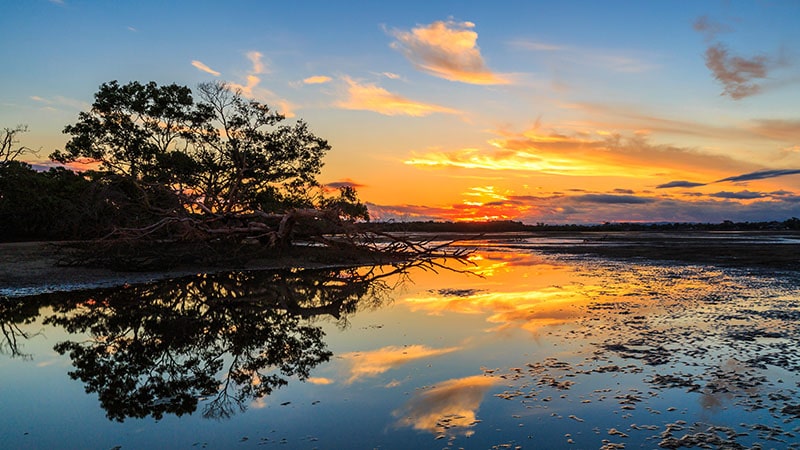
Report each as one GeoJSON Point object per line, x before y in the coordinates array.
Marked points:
{"type": "Point", "coordinates": [29, 268]}
{"type": "Point", "coordinates": [769, 250]}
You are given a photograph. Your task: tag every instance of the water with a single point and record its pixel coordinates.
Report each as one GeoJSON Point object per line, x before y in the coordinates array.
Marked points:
{"type": "Point", "coordinates": [515, 349]}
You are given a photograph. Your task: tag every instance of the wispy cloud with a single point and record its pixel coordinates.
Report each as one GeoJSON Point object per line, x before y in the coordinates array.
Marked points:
{"type": "Point", "coordinates": [741, 195]}
{"type": "Point", "coordinates": [611, 199]}
{"type": "Point", "coordinates": [625, 117]}
{"type": "Point", "coordinates": [578, 153]}
{"type": "Point", "coordinates": [447, 50]}
{"type": "Point", "coordinates": [199, 65]}
{"type": "Point", "coordinates": [256, 59]}
{"type": "Point", "coordinates": [54, 103]}
{"type": "Point", "coordinates": [679, 184]}
{"type": "Point", "coordinates": [613, 60]}
{"type": "Point", "coordinates": [760, 175]}
{"type": "Point", "coordinates": [709, 27]}
{"type": "Point", "coordinates": [751, 176]}
{"type": "Point", "coordinates": [783, 130]}
{"type": "Point", "coordinates": [370, 97]}
{"type": "Point", "coordinates": [740, 76]}
{"type": "Point", "coordinates": [253, 80]}
{"type": "Point", "coordinates": [251, 88]}
{"type": "Point", "coordinates": [317, 79]}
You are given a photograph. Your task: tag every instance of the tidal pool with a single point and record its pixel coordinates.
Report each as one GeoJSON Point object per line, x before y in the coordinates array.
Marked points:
{"type": "Point", "coordinates": [513, 350]}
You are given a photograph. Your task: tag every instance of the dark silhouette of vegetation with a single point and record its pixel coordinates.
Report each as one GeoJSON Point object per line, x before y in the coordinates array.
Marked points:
{"type": "Point", "coordinates": [10, 149]}
{"type": "Point", "coordinates": [221, 167]}
{"type": "Point", "coordinates": [220, 341]}
{"type": "Point", "coordinates": [505, 226]}
{"type": "Point", "coordinates": [219, 172]}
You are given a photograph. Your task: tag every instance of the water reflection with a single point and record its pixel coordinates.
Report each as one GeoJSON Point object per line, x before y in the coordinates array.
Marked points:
{"type": "Point", "coordinates": [225, 339]}
{"type": "Point", "coordinates": [375, 362]}
{"type": "Point", "coordinates": [447, 409]}
{"type": "Point", "coordinates": [567, 351]}
{"type": "Point", "coordinates": [14, 313]}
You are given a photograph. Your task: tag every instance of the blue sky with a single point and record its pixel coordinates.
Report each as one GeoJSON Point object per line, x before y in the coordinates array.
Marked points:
{"type": "Point", "coordinates": [535, 111]}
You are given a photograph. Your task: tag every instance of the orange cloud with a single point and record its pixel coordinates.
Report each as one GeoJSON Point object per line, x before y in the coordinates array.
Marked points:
{"type": "Point", "coordinates": [369, 97]}
{"type": "Point", "coordinates": [449, 407]}
{"type": "Point", "coordinates": [376, 362]}
{"type": "Point", "coordinates": [782, 130]}
{"type": "Point", "coordinates": [255, 58]}
{"type": "Point", "coordinates": [317, 79]}
{"type": "Point", "coordinates": [204, 68]}
{"type": "Point", "coordinates": [447, 50]}
{"type": "Point", "coordinates": [252, 88]}
{"type": "Point", "coordinates": [703, 204]}
{"type": "Point", "coordinates": [582, 154]}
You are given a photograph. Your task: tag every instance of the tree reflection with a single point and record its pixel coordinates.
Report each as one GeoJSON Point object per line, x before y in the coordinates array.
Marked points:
{"type": "Point", "coordinates": [14, 314]}
{"type": "Point", "coordinates": [223, 340]}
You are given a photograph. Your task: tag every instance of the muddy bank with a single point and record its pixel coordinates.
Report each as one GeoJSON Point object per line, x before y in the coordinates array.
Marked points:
{"type": "Point", "coordinates": [29, 268]}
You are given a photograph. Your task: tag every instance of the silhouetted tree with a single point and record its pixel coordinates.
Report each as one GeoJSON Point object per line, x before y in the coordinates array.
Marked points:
{"type": "Point", "coordinates": [10, 149]}
{"type": "Point", "coordinates": [221, 167]}
{"type": "Point", "coordinates": [129, 127]}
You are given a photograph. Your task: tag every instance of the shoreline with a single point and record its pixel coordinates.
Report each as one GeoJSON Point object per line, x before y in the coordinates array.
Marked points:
{"type": "Point", "coordinates": [32, 268]}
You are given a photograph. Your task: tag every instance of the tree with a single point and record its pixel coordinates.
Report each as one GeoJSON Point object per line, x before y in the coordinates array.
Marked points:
{"type": "Point", "coordinates": [247, 161]}
{"type": "Point", "coordinates": [233, 169]}
{"type": "Point", "coordinates": [223, 154]}
{"type": "Point", "coordinates": [129, 127]}
{"type": "Point", "coordinates": [9, 148]}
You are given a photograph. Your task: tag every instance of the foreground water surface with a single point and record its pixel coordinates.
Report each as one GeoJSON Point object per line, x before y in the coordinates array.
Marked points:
{"type": "Point", "coordinates": [513, 350]}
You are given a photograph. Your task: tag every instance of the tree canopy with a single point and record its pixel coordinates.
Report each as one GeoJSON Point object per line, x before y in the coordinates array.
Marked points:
{"type": "Point", "coordinates": [221, 152]}
{"type": "Point", "coordinates": [204, 166]}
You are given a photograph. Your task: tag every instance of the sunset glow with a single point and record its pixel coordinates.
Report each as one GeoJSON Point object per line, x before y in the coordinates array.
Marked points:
{"type": "Point", "coordinates": [560, 112]}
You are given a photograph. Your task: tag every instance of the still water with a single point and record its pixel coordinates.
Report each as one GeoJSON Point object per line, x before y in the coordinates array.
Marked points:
{"type": "Point", "coordinates": [513, 350]}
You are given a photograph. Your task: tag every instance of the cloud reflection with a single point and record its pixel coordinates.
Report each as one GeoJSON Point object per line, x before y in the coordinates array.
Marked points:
{"type": "Point", "coordinates": [373, 363]}
{"type": "Point", "coordinates": [448, 408]}
{"type": "Point", "coordinates": [527, 310]}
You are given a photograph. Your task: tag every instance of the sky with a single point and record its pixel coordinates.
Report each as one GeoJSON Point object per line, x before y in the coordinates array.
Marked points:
{"type": "Point", "coordinates": [537, 111]}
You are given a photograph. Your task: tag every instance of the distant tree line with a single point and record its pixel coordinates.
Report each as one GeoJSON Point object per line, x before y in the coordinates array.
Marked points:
{"type": "Point", "coordinates": [507, 226]}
